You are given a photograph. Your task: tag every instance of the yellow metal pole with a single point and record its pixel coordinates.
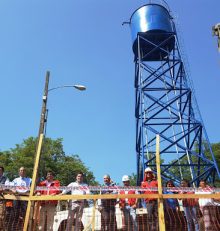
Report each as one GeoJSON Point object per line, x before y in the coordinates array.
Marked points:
{"type": "Point", "coordinates": [160, 199]}
{"type": "Point", "coordinates": [109, 196]}
{"type": "Point", "coordinates": [30, 203]}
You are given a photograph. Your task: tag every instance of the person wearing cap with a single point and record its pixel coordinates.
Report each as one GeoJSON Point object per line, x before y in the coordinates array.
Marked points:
{"type": "Point", "coordinates": [128, 205]}
{"type": "Point", "coordinates": [150, 184]}
{"type": "Point", "coordinates": [107, 206]}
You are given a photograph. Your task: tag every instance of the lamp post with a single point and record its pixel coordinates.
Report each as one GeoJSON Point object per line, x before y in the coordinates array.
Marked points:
{"type": "Point", "coordinates": [45, 96]}
{"type": "Point", "coordinates": [216, 32]}
{"type": "Point", "coordinates": [39, 144]}
{"type": "Point", "coordinates": [77, 86]}
{"type": "Point", "coordinates": [44, 106]}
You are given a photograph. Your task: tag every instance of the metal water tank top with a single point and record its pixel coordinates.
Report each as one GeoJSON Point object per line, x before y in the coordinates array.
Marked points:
{"type": "Point", "coordinates": [152, 22]}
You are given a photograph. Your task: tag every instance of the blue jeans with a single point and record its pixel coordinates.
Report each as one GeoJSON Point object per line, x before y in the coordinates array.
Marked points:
{"type": "Point", "coordinates": [191, 217]}
{"type": "Point", "coordinates": [130, 215]}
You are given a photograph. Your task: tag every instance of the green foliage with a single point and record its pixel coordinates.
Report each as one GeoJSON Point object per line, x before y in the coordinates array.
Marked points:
{"type": "Point", "coordinates": [53, 158]}
{"type": "Point", "coordinates": [186, 174]}
{"type": "Point", "coordinates": [133, 179]}
{"type": "Point", "coordinates": [216, 151]}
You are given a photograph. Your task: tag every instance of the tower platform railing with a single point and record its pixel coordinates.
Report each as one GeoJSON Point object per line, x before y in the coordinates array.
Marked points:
{"type": "Point", "coordinates": [92, 215]}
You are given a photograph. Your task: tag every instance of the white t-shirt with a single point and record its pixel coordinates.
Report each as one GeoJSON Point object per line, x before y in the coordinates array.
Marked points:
{"type": "Point", "coordinates": [23, 182]}
{"type": "Point", "coordinates": [205, 201]}
{"type": "Point", "coordinates": [81, 189]}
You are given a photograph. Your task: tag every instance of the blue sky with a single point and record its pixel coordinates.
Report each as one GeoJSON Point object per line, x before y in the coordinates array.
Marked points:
{"type": "Point", "coordinates": [84, 42]}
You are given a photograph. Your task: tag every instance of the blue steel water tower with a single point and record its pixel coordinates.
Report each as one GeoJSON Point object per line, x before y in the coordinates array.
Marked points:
{"type": "Point", "coordinates": [165, 102]}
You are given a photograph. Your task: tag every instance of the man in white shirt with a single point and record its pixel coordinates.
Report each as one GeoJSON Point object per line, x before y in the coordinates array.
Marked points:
{"type": "Point", "coordinates": [76, 206]}
{"type": "Point", "coordinates": [22, 184]}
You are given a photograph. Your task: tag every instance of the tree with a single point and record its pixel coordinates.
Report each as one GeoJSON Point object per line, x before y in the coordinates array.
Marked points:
{"type": "Point", "coordinates": [53, 158]}
{"type": "Point", "coordinates": [133, 179]}
{"type": "Point", "coordinates": [216, 151]}
{"type": "Point", "coordinates": [186, 174]}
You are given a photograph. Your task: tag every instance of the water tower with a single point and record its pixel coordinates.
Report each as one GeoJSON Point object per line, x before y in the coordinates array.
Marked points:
{"type": "Point", "coordinates": [165, 101]}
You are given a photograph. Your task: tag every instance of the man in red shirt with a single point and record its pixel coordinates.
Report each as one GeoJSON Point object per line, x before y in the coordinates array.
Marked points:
{"type": "Point", "coordinates": [128, 205]}
{"type": "Point", "coordinates": [48, 208]}
{"type": "Point", "coordinates": [150, 185]}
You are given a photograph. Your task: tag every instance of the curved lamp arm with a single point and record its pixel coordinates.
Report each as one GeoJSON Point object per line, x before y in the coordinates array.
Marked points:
{"type": "Point", "coordinates": [78, 87]}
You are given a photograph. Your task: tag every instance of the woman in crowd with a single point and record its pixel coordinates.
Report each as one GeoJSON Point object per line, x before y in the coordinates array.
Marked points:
{"type": "Point", "coordinates": [171, 207]}
{"type": "Point", "coordinates": [205, 204]}
{"type": "Point", "coordinates": [190, 207]}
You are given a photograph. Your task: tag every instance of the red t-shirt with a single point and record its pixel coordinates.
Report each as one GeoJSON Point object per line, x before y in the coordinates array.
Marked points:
{"type": "Point", "coordinates": [130, 201]}
{"type": "Point", "coordinates": [189, 202]}
{"type": "Point", "coordinates": [149, 185]}
{"type": "Point", "coordinates": [52, 188]}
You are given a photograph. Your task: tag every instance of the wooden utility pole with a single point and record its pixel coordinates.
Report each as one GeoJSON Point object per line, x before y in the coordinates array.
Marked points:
{"type": "Point", "coordinates": [44, 106]}
{"type": "Point", "coordinates": [216, 32]}
{"type": "Point", "coordinates": [30, 207]}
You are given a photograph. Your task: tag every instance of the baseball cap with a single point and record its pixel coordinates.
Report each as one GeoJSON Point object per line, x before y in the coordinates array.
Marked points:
{"type": "Point", "coordinates": [148, 169]}
{"type": "Point", "coordinates": [125, 178]}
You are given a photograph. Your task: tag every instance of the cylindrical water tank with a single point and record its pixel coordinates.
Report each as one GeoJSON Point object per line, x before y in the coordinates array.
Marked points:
{"type": "Point", "coordinates": [152, 22]}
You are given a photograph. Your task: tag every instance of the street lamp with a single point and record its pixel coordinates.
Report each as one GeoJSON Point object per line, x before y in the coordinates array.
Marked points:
{"type": "Point", "coordinates": [44, 106]}
{"type": "Point", "coordinates": [77, 86]}
{"type": "Point", "coordinates": [40, 139]}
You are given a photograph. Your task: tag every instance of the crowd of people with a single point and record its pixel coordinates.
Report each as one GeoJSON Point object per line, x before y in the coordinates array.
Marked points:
{"type": "Point", "coordinates": [200, 214]}
{"type": "Point", "coordinates": [18, 207]}
{"type": "Point", "coordinates": [107, 207]}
